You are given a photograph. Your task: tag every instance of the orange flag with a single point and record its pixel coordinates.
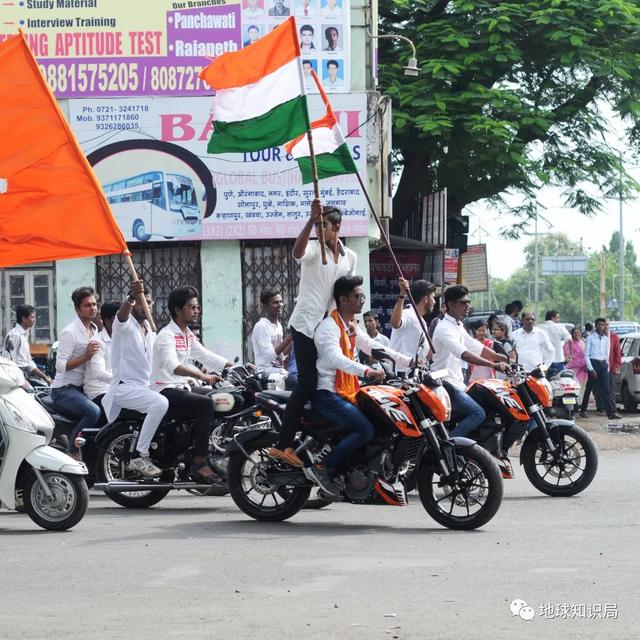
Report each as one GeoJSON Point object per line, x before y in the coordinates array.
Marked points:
{"type": "Point", "coordinates": [51, 204]}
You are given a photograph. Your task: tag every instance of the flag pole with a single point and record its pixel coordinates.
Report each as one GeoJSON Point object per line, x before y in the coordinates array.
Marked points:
{"type": "Point", "coordinates": [383, 235]}
{"type": "Point", "coordinates": [316, 189]}
{"type": "Point", "coordinates": [143, 300]}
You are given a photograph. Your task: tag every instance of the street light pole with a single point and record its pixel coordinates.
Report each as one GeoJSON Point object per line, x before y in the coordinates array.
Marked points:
{"type": "Point", "coordinates": [536, 267]}
{"type": "Point", "coordinates": [621, 251]}
{"type": "Point", "coordinates": [581, 290]}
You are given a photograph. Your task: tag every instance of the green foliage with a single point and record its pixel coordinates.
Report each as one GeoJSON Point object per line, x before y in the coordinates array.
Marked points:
{"type": "Point", "coordinates": [510, 97]}
{"type": "Point", "coordinates": [563, 292]}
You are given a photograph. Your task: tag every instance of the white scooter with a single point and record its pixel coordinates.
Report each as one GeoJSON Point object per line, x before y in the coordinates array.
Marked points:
{"type": "Point", "coordinates": [47, 483]}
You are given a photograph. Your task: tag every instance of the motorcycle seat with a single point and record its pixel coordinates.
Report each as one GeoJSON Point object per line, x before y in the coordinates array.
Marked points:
{"type": "Point", "coordinates": [281, 397]}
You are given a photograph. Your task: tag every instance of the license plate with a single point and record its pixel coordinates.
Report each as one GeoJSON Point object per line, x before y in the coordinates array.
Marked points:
{"type": "Point", "coordinates": [568, 400]}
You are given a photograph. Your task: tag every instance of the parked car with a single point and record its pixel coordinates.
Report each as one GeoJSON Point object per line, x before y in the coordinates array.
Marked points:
{"type": "Point", "coordinates": [628, 388]}
{"type": "Point", "coordinates": [624, 327]}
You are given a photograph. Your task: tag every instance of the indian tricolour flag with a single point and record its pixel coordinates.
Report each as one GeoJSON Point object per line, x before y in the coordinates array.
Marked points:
{"type": "Point", "coordinates": [260, 100]}
{"type": "Point", "coordinates": [333, 156]}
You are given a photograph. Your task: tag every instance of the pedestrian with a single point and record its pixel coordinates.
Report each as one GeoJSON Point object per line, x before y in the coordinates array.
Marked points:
{"type": "Point", "coordinates": [615, 361]}
{"type": "Point", "coordinates": [588, 330]}
{"type": "Point", "coordinates": [532, 344]}
{"type": "Point", "coordinates": [513, 310]}
{"type": "Point", "coordinates": [478, 371]}
{"type": "Point", "coordinates": [558, 335]}
{"type": "Point", "coordinates": [597, 357]}
{"type": "Point", "coordinates": [270, 347]}
{"type": "Point", "coordinates": [574, 354]}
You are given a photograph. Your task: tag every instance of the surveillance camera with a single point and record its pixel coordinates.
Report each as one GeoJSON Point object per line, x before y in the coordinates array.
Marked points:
{"type": "Point", "coordinates": [412, 68]}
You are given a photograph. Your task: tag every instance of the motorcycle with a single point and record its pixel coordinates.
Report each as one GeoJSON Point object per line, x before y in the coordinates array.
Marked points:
{"type": "Point", "coordinates": [459, 483]}
{"type": "Point", "coordinates": [171, 447]}
{"type": "Point", "coordinates": [565, 390]}
{"type": "Point", "coordinates": [559, 458]}
{"type": "Point", "coordinates": [48, 484]}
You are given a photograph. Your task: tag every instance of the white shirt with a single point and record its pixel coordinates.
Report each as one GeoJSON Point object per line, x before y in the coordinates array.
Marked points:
{"type": "Point", "coordinates": [173, 348]}
{"type": "Point", "coordinates": [533, 348]}
{"type": "Point", "coordinates": [597, 348]}
{"type": "Point", "coordinates": [72, 343]}
{"type": "Point", "coordinates": [97, 375]}
{"type": "Point", "coordinates": [382, 339]}
{"type": "Point", "coordinates": [331, 358]}
{"type": "Point", "coordinates": [558, 335]}
{"type": "Point", "coordinates": [406, 338]}
{"type": "Point", "coordinates": [16, 348]}
{"type": "Point", "coordinates": [315, 293]}
{"type": "Point", "coordinates": [131, 352]}
{"type": "Point", "coordinates": [257, 12]}
{"type": "Point", "coordinates": [264, 337]}
{"type": "Point", "coordinates": [450, 340]}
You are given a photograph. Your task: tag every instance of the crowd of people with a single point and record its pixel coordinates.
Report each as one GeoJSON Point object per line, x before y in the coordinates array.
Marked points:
{"type": "Point", "coordinates": [324, 353]}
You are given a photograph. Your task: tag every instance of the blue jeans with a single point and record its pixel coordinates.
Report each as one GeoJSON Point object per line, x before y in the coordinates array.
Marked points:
{"type": "Point", "coordinates": [464, 404]}
{"type": "Point", "coordinates": [360, 430]}
{"type": "Point", "coordinates": [72, 401]}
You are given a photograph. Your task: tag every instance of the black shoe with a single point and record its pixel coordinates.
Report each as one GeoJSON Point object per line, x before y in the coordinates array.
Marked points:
{"type": "Point", "coordinates": [194, 472]}
{"type": "Point", "coordinates": [583, 414]}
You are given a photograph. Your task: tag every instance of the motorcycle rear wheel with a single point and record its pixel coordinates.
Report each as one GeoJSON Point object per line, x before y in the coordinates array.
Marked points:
{"type": "Point", "coordinates": [251, 494]}
{"type": "Point", "coordinates": [109, 468]}
{"type": "Point", "coordinates": [69, 503]}
{"type": "Point", "coordinates": [578, 458]}
{"type": "Point", "coordinates": [472, 501]}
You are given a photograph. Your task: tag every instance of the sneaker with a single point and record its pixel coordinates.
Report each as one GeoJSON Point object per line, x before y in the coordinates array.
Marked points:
{"type": "Point", "coordinates": [288, 455]}
{"type": "Point", "coordinates": [615, 416]}
{"type": "Point", "coordinates": [145, 467]}
{"type": "Point", "coordinates": [319, 475]}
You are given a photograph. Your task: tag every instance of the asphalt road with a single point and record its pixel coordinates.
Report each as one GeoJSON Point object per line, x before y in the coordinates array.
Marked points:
{"type": "Point", "coordinates": [198, 568]}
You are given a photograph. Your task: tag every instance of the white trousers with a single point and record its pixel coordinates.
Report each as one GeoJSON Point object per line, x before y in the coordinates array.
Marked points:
{"type": "Point", "coordinates": [137, 398]}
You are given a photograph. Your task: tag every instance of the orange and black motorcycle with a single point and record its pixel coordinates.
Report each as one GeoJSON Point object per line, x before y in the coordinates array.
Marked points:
{"type": "Point", "coordinates": [459, 483]}
{"type": "Point", "coordinates": [558, 457]}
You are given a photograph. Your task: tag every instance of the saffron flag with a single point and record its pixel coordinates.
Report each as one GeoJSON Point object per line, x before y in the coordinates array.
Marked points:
{"type": "Point", "coordinates": [51, 204]}
{"type": "Point", "coordinates": [260, 100]}
{"type": "Point", "coordinates": [333, 156]}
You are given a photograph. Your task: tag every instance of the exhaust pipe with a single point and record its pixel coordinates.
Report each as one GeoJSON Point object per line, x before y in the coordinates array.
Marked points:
{"type": "Point", "coordinates": [119, 486]}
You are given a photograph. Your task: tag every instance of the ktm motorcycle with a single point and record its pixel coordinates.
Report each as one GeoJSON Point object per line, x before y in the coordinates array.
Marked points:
{"type": "Point", "coordinates": [459, 483]}
{"type": "Point", "coordinates": [558, 457]}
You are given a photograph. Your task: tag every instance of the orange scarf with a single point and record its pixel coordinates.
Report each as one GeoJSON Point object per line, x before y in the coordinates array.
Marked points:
{"type": "Point", "coordinates": [347, 384]}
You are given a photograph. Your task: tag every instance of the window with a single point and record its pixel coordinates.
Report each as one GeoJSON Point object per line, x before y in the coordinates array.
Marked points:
{"type": "Point", "coordinates": [34, 287]}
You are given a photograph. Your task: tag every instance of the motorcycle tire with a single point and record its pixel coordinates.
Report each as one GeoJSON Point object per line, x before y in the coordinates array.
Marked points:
{"type": "Point", "coordinates": [121, 438]}
{"type": "Point", "coordinates": [534, 459]}
{"type": "Point", "coordinates": [241, 468]}
{"type": "Point", "coordinates": [70, 500]}
{"type": "Point", "coordinates": [480, 484]}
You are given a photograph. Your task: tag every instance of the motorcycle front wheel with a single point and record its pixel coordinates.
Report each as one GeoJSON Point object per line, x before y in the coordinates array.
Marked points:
{"type": "Point", "coordinates": [66, 507]}
{"type": "Point", "coordinates": [113, 464]}
{"type": "Point", "coordinates": [251, 490]}
{"type": "Point", "coordinates": [468, 501]}
{"type": "Point", "coordinates": [566, 473]}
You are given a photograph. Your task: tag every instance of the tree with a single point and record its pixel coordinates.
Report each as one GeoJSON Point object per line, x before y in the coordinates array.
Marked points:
{"type": "Point", "coordinates": [510, 98]}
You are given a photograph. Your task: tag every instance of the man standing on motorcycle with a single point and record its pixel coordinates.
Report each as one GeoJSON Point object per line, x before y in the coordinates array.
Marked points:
{"type": "Point", "coordinates": [76, 346]}
{"type": "Point", "coordinates": [173, 374]}
{"type": "Point", "coordinates": [315, 299]}
{"type": "Point", "coordinates": [337, 340]}
{"type": "Point", "coordinates": [131, 347]}
{"type": "Point", "coordinates": [407, 336]}
{"type": "Point", "coordinates": [452, 345]}
{"type": "Point", "coordinates": [16, 343]}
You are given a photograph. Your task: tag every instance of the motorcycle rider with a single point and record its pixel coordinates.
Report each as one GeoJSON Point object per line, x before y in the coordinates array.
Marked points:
{"type": "Point", "coordinates": [452, 345]}
{"type": "Point", "coordinates": [407, 336]}
{"type": "Point", "coordinates": [132, 344]}
{"type": "Point", "coordinates": [315, 299]}
{"type": "Point", "coordinates": [97, 376]}
{"type": "Point", "coordinates": [172, 373]}
{"type": "Point", "coordinates": [76, 346]}
{"type": "Point", "coordinates": [337, 340]}
{"type": "Point", "coordinates": [16, 343]}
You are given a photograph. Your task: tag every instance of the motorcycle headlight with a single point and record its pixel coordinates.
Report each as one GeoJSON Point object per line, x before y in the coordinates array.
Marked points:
{"type": "Point", "coordinates": [441, 392]}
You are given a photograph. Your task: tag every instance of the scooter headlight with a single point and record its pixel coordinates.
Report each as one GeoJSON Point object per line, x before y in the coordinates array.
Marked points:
{"type": "Point", "coordinates": [18, 420]}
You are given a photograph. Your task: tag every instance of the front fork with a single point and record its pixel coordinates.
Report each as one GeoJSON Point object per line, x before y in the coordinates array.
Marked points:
{"type": "Point", "coordinates": [537, 414]}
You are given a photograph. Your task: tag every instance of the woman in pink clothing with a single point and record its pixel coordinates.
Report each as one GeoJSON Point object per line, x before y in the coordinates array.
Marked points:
{"type": "Point", "coordinates": [574, 353]}
{"type": "Point", "coordinates": [479, 372]}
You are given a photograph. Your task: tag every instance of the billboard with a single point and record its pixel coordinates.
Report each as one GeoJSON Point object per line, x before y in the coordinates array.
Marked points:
{"type": "Point", "coordinates": [119, 48]}
{"type": "Point", "coordinates": [150, 157]}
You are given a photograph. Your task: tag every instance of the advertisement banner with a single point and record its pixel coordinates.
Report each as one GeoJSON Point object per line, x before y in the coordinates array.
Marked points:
{"type": "Point", "coordinates": [150, 157]}
{"type": "Point", "coordinates": [474, 273]}
{"type": "Point", "coordinates": [451, 258]}
{"type": "Point", "coordinates": [113, 48]}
